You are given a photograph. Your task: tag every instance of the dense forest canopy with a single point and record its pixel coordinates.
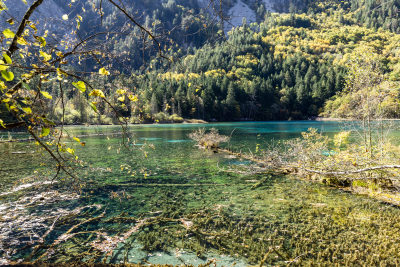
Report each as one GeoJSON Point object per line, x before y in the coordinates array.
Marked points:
{"type": "Point", "coordinates": [285, 66]}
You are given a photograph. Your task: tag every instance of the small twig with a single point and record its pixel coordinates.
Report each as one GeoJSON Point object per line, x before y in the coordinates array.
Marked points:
{"type": "Point", "coordinates": [265, 257]}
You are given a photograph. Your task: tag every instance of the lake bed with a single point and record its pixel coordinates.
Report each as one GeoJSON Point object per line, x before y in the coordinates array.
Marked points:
{"type": "Point", "coordinates": [171, 203]}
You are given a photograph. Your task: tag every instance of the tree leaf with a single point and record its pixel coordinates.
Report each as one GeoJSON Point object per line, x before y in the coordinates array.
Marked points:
{"type": "Point", "coordinates": [133, 98]}
{"type": "Point", "coordinates": [93, 106]}
{"type": "Point", "coordinates": [45, 56]}
{"type": "Point", "coordinates": [46, 95]}
{"type": "Point", "coordinates": [104, 72]}
{"type": "Point", "coordinates": [22, 41]}
{"type": "Point", "coordinates": [2, 86]}
{"type": "Point", "coordinates": [9, 34]}
{"type": "Point", "coordinates": [7, 58]}
{"type": "Point", "coordinates": [27, 110]}
{"type": "Point", "coordinates": [26, 86]}
{"type": "Point", "coordinates": [2, 66]}
{"type": "Point", "coordinates": [81, 86]}
{"type": "Point", "coordinates": [33, 26]}
{"type": "Point", "coordinates": [61, 72]}
{"type": "Point", "coordinates": [8, 76]}
{"type": "Point", "coordinates": [47, 121]}
{"type": "Point", "coordinates": [97, 92]}
{"type": "Point", "coordinates": [2, 123]}
{"type": "Point", "coordinates": [45, 132]}
{"type": "Point", "coordinates": [42, 41]}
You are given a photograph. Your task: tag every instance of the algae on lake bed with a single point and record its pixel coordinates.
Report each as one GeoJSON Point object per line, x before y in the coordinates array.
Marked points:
{"type": "Point", "coordinates": [208, 213]}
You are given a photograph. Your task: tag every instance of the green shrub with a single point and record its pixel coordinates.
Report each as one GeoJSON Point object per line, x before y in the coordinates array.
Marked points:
{"type": "Point", "coordinates": [161, 117]}
{"type": "Point", "coordinates": [105, 120]}
{"type": "Point", "coordinates": [71, 116]}
{"type": "Point", "coordinates": [175, 118]}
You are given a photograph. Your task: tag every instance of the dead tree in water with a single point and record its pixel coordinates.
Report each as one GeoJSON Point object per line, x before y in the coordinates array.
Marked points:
{"type": "Point", "coordinates": [208, 140]}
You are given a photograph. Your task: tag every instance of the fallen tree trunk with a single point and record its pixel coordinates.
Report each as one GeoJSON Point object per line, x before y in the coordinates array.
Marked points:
{"type": "Point", "coordinates": [374, 168]}
{"type": "Point", "coordinates": [271, 165]}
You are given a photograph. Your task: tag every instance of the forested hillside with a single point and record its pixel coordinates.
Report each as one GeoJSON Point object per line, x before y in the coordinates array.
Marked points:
{"type": "Point", "coordinates": [175, 23]}
{"type": "Point", "coordinates": [284, 68]}
{"type": "Point", "coordinates": [287, 66]}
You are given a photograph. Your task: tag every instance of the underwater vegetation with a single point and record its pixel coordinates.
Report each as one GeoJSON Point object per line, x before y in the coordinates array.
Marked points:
{"type": "Point", "coordinates": [284, 221]}
{"type": "Point", "coordinates": [184, 208]}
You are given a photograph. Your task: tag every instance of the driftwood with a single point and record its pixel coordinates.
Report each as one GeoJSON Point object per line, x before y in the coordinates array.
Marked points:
{"type": "Point", "coordinates": [104, 243]}
{"type": "Point", "coordinates": [67, 235]}
{"type": "Point", "coordinates": [269, 164]}
{"type": "Point", "coordinates": [274, 166]}
{"type": "Point", "coordinates": [175, 185]}
{"type": "Point", "coordinates": [16, 140]}
{"type": "Point", "coordinates": [374, 168]}
{"type": "Point", "coordinates": [21, 228]}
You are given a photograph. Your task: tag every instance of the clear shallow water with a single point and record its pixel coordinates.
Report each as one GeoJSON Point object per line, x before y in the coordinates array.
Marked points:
{"type": "Point", "coordinates": [175, 183]}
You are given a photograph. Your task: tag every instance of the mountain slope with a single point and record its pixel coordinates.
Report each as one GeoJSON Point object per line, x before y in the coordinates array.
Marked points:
{"type": "Point", "coordinates": [285, 69]}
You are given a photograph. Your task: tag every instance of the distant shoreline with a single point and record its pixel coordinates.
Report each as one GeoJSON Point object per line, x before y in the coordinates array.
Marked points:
{"type": "Point", "coordinates": [344, 119]}
{"type": "Point", "coordinates": [331, 119]}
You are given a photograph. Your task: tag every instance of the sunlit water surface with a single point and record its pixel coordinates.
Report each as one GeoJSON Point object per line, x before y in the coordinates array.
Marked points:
{"type": "Point", "coordinates": [198, 211]}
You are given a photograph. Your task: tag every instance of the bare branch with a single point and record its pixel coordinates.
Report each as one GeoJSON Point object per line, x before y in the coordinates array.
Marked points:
{"type": "Point", "coordinates": [143, 29]}
{"type": "Point", "coordinates": [22, 25]}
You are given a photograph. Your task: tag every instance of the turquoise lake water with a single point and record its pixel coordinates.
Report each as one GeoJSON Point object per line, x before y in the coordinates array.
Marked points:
{"type": "Point", "coordinates": [191, 209]}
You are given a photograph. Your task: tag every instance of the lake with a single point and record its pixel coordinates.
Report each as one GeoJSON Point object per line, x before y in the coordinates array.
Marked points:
{"type": "Point", "coordinates": [161, 200]}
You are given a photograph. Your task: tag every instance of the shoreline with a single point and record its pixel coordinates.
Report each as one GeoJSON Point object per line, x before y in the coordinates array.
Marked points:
{"type": "Point", "coordinates": [344, 119]}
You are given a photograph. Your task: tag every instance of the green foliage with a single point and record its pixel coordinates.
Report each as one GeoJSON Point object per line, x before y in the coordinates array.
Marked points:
{"type": "Point", "coordinates": [287, 67]}
{"type": "Point", "coordinates": [81, 86]}
{"type": "Point", "coordinates": [275, 71]}
{"type": "Point", "coordinates": [179, 23]}
{"type": "Point", "coordinates": [45, 132]}
{"type": "Point", "coordinates": [160, 117]}
{"type": "Point", "coordinates": [372, 13]}
{"type": "Point", "coordinates": [351, 162]}
{"type": "Point", "coordinates": [7, 76]}
{"type": "Point", "coordinates": [163, 117]}
{"type": "Point", "coordinates": [175, 118]}
{"type": "Point", "coordinates": [341, 139]}
{"type": "Point", "coordinates": [368, 94]}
